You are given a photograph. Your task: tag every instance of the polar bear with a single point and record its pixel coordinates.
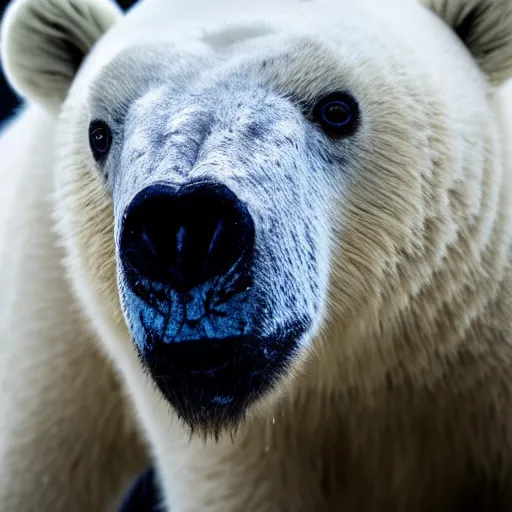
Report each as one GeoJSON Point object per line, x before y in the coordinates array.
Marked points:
{"type": "Point", "coordinates": [266, 245]}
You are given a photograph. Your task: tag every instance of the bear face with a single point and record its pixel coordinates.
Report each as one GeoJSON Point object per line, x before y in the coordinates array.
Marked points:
{"type": "Point", "coordinates": [249, 202]}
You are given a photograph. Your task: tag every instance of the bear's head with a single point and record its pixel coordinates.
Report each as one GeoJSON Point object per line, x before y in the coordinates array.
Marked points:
{"type": "Point", "coordinates": [245, 207]}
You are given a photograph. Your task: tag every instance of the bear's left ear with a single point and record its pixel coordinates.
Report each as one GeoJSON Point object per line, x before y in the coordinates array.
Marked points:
{"type": "Point", "coordinates": [43, 43]}
{"type": "Point", "coordinates": [485, 27]}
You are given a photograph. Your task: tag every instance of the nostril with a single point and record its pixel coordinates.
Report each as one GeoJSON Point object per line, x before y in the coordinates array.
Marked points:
{"type": "Point", "coordinates": [180, 239]}
{"type": "Point", "coordinates": [216, 238]}
{"type": "Point", "coordinates": [185, 236]}
{"type": "Point", "coordinates": [229, 242]}
{"type": "Point", "coordinates": [216, 248]}
{"type": "Point", "coordinates": [145, 245]}
{"type": "Point", "coordinates": [146, 239]}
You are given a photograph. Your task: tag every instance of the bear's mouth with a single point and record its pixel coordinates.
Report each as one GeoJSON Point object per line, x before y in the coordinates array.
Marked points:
{"type": "Point", "coordinates": [209, 365]}
{"type": "Point", "coordinates": [211, 382]}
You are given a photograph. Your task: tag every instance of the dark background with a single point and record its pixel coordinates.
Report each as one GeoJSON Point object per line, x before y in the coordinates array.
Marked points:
{"type": "Point", "coordinates": [8, 100]}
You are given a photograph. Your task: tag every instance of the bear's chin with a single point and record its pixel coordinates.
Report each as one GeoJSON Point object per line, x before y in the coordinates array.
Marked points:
{"type": "Point", "coordinates": [210, 383]}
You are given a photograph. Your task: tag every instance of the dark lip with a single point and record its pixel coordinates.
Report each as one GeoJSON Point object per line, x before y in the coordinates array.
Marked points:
{"type": "Point", "coordinates": [211, 382]}
{"type": "Point", "coordinates": [198, 356]}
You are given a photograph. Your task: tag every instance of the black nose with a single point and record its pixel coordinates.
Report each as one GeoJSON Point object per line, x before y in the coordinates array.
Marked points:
{"type": "Point", "coordinates": [185, 236]}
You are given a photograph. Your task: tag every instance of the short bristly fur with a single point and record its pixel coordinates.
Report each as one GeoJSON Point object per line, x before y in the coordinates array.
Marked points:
{"type": "Point", "coordinates": [400, 397]}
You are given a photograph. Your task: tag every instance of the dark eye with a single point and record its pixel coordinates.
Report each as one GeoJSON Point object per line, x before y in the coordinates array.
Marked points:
{"type": "Point", "coordinates": [100, 139]}
{"type": "Point", "coordinates": [337, 114]}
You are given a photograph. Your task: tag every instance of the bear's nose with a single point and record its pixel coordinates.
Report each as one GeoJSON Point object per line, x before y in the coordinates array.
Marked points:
{"type": "Point", "coordinates": [185, 236]}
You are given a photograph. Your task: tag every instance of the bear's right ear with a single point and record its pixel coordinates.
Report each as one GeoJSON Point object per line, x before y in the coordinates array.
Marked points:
{"type": "Point", "coordinates": [43, 43]}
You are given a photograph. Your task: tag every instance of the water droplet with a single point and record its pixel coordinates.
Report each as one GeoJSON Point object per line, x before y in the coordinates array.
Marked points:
{"type": "Point", "coordinates": [267, 448]}
{"type": "Point", "coordinates": [273, 421]}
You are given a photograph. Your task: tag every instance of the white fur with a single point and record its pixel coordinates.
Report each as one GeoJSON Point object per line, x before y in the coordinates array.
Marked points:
{"type": "Point", "coordinates": [401, 399]}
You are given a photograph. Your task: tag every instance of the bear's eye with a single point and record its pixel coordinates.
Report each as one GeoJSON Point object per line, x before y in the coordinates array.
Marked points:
{"type": "Point", "coordinates": [337, 114]}
{"type": "Point", "coordinates": [100, 139]}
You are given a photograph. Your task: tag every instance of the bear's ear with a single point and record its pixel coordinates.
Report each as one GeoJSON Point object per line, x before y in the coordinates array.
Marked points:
{"type": "Point", "coordinates": [485, 27]}
{"type": "Point", "coordinates": [43, 43]}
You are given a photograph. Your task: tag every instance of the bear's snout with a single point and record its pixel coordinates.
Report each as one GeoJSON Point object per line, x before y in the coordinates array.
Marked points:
{"type": "Point", "coordinates": [186, 236]}
{"type": "Point", "coordinates": [193, 297]}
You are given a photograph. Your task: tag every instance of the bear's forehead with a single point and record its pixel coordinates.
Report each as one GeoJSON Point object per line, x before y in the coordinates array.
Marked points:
{"type": "Point", "coordinates": [343, 25]}
{"type": "Point", "coordinates": [272, 62]}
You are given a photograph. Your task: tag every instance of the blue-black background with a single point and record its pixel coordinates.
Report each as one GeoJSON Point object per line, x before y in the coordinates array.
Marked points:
{"type": "Point", "coordinates": [8, 100]}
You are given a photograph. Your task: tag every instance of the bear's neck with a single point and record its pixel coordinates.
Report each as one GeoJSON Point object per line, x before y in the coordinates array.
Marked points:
{"type": "Point", "coordinates": [326, 445]}
{"type": "Point", "coordinates": [377, 412]}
